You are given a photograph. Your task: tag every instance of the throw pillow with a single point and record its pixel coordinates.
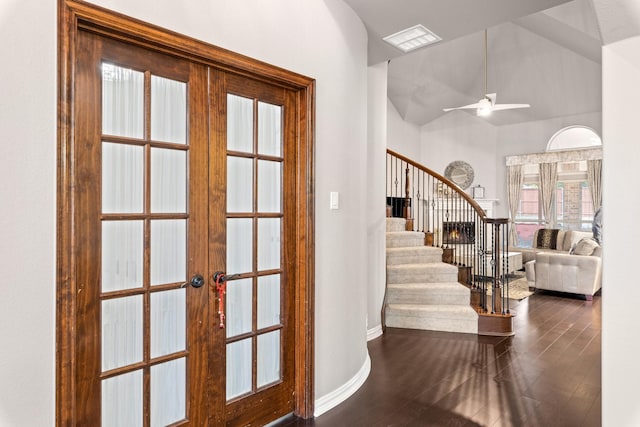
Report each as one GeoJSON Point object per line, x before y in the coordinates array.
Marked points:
{"type": "Point", "coordinates": [547, 238]}
{"type": "Point", "coordinates": [585, 246]}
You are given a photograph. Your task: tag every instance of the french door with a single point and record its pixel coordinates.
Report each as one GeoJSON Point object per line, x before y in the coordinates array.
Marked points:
{"type": "Point", "coordinates": [183, 229]}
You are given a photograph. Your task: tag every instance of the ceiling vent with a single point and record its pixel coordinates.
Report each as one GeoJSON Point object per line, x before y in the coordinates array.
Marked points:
{"type": "Point", "coordinates": [412, 38]}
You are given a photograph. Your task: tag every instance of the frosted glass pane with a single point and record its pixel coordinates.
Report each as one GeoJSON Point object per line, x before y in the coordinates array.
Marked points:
{"type": "Point", "coordinates": [168, 110]}
{"type": "Point", "coordinates": [122, 400]}
{"type": "Point", "coordinates": [268, 243]}
{"type": "Point", "coordinates": [122, 101]}
{"type": "Point", "coordinates": [268, 358]}
{"type": "Point", "coordinates": [269, 129]}
{"type": "Point", "coordinates": [239, 306]}
{"type": "Point", "coordinates": [239, 124]}
{"type": "Point", "coordinates": [168, 392]}
{"type": "Point", "coordinates": [168, 322]}
{"type": "Point", "coordinates": [268, 301]}
{"type": "Point", "coordinates": [122, 256]}
{"type": "Point", "coordinates": [121, 332]}
{"type": "Point", "coordinates": [269, 189]}
{"type": "Point", "coordinates": [239, 245]}
{"type": "Point", "coordinates": [168, 251]}
{"type": "Point", "coordinates": [122, 178]}
{"type": "Point", "coordinates": [239, 370]}
{"type": "Point", "coordinates": [239, 184]}
{"type": "Point", "coordinates": [168, 181]}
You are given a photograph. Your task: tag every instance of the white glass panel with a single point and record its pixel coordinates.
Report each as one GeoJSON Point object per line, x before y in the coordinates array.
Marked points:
{"type": "Point", "coordinates": [122, 256]}
{"type": "Point", "coordinates": [239, 370]}
{"type": "Point", "coordinates": [269, 129]}
{"type": "Point", "coordinates": [122, 400]}
{"type": "Point", "coordinates": [168, 181]}
{"type": "Point", "coordinates": [168, 110]}
{"type": "Point", "coordinates": [168, 251]}
{"type": "Point", "coordinates": [122, 178]}
{"type": "Point", "coordinates": [268, 301]}
{"type": "Point", "coordinates": [239, 184]}
{"type": "Point", "coordinates": [168, 322]}
{"type": "Point", "coordinates": [168, 392]}
{"type": "Point", "coordinates": [239, 245]}
{"type": "Point", "coordinates": [239, 306]}
{"type": "Point", "coordinates": [268, 358]}
{"type": "Point", "coordinates": [122, 101]}
{"type": "Point", "coordinates": [239, 124]}
{"type": "Point", "coordinates": [269, 189]}
{"type": "Point", "coordinates": [268, 243]}
{"type": "Point", "coordinates": [121, 331]}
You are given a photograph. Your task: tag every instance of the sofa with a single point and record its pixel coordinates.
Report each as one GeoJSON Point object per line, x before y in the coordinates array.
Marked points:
{"type": "Point", "coordinates": [576, 271]}
{"type": "Point", "coordinates": [548, 240]}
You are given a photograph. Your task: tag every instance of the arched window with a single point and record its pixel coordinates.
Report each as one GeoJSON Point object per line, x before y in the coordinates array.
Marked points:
{"type": "Point", "coordinates": [574, 138]}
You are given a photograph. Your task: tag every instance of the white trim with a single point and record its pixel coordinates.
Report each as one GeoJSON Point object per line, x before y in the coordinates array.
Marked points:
{"type": "Point", "coordinates": [342, 393]}
{"type": "Point", "coordinates": [374, 332]}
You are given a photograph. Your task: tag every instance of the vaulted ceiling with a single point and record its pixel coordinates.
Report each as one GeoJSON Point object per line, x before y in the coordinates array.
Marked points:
{"type": "Point", "coordinates": [546, 53]}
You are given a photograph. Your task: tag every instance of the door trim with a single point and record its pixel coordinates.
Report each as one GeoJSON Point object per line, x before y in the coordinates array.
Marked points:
{"type": "Point", "coordinates": [75, 15]}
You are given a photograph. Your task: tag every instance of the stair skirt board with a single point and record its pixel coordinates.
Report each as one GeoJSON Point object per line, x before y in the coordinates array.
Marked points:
{"type": "Point", "coordinates": [436, 318]}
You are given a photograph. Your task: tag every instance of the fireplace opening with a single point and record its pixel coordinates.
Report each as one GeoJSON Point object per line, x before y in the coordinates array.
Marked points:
{"type": "Point", "coordinates": [460, 233]}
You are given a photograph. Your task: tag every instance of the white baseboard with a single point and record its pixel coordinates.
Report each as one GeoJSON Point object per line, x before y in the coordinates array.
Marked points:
{"type": "Point", "coordinates": [342, 393]}
{"type": "Point", "coordinates": [374, 332]}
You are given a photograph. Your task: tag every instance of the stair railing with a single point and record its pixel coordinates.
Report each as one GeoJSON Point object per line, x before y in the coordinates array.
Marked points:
{"type": "Point", "coordinates": [453, 221]}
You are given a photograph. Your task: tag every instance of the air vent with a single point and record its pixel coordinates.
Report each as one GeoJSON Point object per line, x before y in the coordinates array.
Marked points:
{"type": "Point", "coordinates": [412, 38]}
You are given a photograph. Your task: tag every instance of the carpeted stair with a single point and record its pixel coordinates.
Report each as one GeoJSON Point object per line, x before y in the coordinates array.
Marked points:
{"type": "Point", "coordinates": [422, 291]}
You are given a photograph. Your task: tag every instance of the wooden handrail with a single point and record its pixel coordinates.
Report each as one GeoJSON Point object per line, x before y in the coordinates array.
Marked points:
{"type": "Point", "coordinates": [442, 178]}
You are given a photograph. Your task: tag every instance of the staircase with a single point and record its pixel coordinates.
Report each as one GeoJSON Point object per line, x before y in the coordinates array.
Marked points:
{"type": "Point", "coordinates": [422, 291]}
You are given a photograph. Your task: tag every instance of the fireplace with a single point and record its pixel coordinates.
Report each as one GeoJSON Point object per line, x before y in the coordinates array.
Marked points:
{"type": "Point", "coordinates": [460, 233]}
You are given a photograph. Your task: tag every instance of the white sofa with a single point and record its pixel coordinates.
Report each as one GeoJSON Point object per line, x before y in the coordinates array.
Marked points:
{"type": "Point", "coordinates": [576, 273]}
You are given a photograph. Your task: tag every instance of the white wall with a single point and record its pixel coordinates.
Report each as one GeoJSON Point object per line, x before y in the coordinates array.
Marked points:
{"type": "Point", "coordinates": [621, 293]}
{"type": "Point", "coordinates": [27, 212]}
{"type": "Point", "coordinates": [402, 137]}
{"type": "Point", "coordinates": [461, 136]}
{"type": "Point", "coordinates": [376, 206]}
{"type": "Point", "coordinates": [321, 38]}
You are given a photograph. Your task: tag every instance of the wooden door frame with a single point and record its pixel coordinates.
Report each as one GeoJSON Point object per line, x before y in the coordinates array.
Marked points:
{"type": "Point", "coordinates": [75, 15]}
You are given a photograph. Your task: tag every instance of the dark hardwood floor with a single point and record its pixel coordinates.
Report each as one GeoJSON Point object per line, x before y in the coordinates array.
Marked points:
{"type": "Point", "coordinates": [547, 375]}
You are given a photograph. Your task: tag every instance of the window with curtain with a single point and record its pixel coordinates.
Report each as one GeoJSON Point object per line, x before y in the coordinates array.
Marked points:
{"type": "Point", "coordinates": [573, 208]}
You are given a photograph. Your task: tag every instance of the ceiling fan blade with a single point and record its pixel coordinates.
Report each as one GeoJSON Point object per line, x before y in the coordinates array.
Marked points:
{"type": "Point", "coordinates": [497, 107]}
{"type": "Point", "coordinates": [471, 106]}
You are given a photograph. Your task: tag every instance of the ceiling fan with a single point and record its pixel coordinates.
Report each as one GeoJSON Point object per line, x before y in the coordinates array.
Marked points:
{"type": "Point", "coordinates": [487, 104]}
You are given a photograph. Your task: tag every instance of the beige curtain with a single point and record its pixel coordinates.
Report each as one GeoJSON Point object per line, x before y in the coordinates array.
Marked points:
{"type": "Point", "coordinates": [548, 181]}
{"type": "Point", "coordinates": [594, 176]}
{"type": "Point", "coordinates": [515, 178]}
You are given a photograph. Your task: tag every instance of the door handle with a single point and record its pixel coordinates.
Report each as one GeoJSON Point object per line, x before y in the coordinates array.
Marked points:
{"type": "Point", "coordinates": [197, 281]}
{"type": "Point", "coordinates": [220, 282]}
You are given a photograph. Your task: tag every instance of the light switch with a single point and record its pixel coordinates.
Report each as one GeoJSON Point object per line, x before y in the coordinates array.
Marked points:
{"type": "Point", "coordinates": [334, 200]}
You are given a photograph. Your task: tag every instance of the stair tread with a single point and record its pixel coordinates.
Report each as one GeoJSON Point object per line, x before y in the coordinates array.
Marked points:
{"type": "Point", "coordinates": [432, 249]}
{"type": "Point", "coordinates": [433, 308]}
{"type": "Point", "coordinates": [430, 285]}
{"type": "Point", "coordinates": [423, 265]}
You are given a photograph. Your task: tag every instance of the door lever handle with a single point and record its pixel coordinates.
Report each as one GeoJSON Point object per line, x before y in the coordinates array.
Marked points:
{"type": "Point", "coordinates": [220, 282]}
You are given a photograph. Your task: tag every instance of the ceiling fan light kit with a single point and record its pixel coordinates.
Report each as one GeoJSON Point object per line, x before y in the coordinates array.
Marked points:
{"type": "Point", "coordinates": [487, 104]}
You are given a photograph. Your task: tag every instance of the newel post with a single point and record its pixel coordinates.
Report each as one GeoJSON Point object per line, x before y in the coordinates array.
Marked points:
{"type": "Point", "coordinates": [407, 201]}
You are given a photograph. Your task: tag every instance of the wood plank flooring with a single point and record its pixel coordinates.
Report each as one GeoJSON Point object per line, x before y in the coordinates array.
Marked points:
{"type": "Point", "coordinates": [547, 375]}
